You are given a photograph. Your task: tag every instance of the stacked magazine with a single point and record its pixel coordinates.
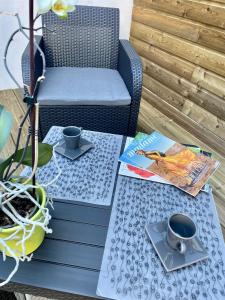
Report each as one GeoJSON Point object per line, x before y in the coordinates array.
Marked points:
{"type": "Point", "coordinates": [155, 157]}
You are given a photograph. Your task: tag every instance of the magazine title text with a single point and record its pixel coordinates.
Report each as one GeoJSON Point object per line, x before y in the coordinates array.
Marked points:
{"type": "Point", "coordinates": [142, 144]}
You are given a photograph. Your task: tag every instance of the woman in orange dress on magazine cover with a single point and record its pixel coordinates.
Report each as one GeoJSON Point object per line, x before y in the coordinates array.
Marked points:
{"type": "Point", "coordinates": [177, 163]}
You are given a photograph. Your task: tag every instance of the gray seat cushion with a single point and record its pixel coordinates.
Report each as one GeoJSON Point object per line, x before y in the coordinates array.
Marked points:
{"type": "Point", "coordinates": [83, 86]}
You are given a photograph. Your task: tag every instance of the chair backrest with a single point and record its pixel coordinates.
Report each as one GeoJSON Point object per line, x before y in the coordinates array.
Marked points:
{"type": "Point", "coordinates": [89, 37]}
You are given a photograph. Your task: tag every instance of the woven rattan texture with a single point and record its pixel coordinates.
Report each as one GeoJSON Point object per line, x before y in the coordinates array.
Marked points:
{"type": "Point", "coordinates": [89, 37]}
{"type": "Point", "coordinates": [114, 119]}
{"type": "Point", "coordinates": [130, 68]}
{"type": "Point", "coordinates": [131, 269]}
{"type": "Point", "coordinates": [25, 63]}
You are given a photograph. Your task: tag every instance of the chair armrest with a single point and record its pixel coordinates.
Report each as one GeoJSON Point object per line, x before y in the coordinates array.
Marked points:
{"type": "Point", "coordinates": [25, 63]}
{"type": "Point", "coordinates": [130, 69]}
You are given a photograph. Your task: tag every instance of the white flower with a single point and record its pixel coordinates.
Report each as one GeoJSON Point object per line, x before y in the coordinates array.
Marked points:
{"type": "Point", "coordinates": [44, 6]}
{"type": "Point", "coordinates": [63, 7]}
{"type": "Point", "coordinates": [59, 7]}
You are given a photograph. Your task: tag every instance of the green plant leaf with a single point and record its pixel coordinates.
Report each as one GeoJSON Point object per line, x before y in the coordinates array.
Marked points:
{"type": "Point", "coordinates": [44, 156]}
{"type": "Point", "coordinates": [3, 165]}
{"type": "Point", "coordinates": [6, 121]}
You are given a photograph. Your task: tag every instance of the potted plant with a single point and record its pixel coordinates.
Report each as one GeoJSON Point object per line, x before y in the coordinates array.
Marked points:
{"type": "Point", "coordinates": [24, 215]}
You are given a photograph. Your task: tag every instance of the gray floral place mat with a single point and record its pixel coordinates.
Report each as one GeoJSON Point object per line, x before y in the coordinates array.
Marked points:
{"type": "Point", "coordinates": [89, 178]}
{"type": "Point", "coordinates": [131, 269]}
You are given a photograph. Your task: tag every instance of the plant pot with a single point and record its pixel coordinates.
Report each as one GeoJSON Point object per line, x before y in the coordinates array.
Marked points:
{"type": "Point", "coordinates": [36, 238]}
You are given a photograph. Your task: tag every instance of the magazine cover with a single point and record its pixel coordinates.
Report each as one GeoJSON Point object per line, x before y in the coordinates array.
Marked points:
{"type": "Point", "coordinates": [173, 162]}
{"type": "Point", "coordinates": [132, 171]}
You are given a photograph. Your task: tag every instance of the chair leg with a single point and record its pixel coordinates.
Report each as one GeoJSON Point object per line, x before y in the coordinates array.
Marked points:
{"type": "Point", "coordinates": [132, 128]}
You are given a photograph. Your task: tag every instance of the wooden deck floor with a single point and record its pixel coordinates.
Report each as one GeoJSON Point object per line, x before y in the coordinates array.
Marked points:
{"type": "Point", "coordinates": [147, 122]}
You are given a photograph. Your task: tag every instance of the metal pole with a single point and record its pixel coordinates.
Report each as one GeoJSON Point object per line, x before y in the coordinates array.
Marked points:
{"type": "Point", "coordinates": [32, 76]}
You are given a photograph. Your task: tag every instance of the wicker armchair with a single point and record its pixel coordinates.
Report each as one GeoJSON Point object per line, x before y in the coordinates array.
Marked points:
{"type": "Point", "coordinates": [87, 44]}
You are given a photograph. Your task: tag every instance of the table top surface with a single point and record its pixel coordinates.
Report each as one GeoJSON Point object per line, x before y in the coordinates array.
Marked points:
{"type": "Point", "coordinates": [67, 264]}
{"type": "Point", "coordinates": [69, 259]}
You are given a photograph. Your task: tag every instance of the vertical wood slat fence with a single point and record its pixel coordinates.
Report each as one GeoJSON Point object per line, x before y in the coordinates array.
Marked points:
{"type": "Point", "coordinates": [182, 46]}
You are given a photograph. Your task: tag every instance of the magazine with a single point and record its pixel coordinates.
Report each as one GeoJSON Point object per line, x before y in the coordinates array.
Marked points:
{"type": "Point", "coordinates": [131, 171]}
{"type": "Point", "coordinates": [172, 162]}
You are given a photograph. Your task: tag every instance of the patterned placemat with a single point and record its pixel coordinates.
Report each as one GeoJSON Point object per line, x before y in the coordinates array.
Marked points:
{"type": "Point", "coordinates": [89, 178]}
{"type": "Point", "coordinates": [130, 267]}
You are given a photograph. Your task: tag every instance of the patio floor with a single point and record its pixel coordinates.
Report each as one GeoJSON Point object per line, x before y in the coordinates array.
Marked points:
{"type": "Point", "coordinates": [152, 120]}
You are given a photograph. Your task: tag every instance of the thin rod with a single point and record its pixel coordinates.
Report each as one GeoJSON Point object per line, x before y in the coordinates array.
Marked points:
{"type": "Point", "coordinates": [31, 45]}
{"type": "Point", "coordinates": [32, 78]}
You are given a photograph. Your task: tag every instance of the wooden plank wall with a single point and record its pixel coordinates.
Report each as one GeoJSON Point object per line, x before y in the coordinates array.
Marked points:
{"type": "Point", "coordinates": [182, 46]}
